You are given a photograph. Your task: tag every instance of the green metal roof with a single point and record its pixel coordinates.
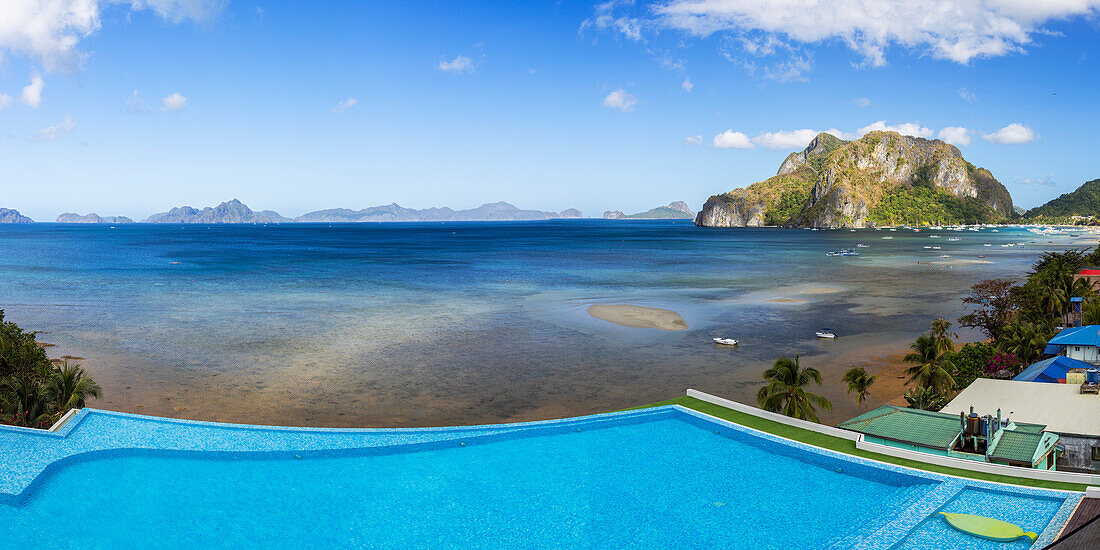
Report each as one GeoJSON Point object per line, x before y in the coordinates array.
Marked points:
{"type": "Point", "coordinates": [1029, 428]}
{"type": "Point", "coordinates": [1022, 446]}
{"type": "Point", "coordinates": [923, 428]}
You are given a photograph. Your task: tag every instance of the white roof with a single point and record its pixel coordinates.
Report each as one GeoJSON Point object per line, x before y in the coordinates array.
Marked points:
{"type": "Point", "coordinates": [1061, 407]}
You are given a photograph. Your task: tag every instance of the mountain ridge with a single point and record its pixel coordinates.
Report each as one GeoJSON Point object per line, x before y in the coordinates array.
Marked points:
{"type": "Point", "coordinates": [674, 211]}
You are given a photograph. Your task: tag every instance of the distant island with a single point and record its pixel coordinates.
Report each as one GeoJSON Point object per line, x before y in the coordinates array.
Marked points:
{"type": "Point", "coordinates": [70, 217]}
{"type": "Point", "coordinates": [497, 211]}
{"type": "Point", "coordinates": [8, 215]}
{"type": "Point", "coordinates": [235, 211]}
{"type": "Point", "coordinates": [674, 211]}
{"type": "Point", "coordinates": [883, 178]}
{"type": "Point", "coordinates": [1083, 202]}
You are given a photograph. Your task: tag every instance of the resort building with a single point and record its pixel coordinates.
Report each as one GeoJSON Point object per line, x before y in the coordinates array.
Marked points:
{"type": "Point", "coordinates": [1080, 343]}
{"type": "Point", "coordinates": [966, 435]}
{"type": "Point", "coordinates": [1061, 408]}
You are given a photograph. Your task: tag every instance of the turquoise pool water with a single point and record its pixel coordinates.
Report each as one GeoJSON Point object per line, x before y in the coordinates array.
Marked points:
{"type": "Point", "coordinates": [659, 479]}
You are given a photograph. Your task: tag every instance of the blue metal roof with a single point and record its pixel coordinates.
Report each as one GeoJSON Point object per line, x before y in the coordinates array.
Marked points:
{"type": "Point", "coordinates": [1052, 349]}
{"type": "Point", "coordinates": [1076, 299]}
{"type": "Point", "coordinates": [1088, 335]}
{"type": "Point", "coordinates": [1051, 370]}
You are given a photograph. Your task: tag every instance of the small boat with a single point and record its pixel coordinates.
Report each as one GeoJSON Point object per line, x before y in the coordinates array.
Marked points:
{"type": "Point", "coordinates": [928, 247]}
{"type": "Point", "coordinates": [825, 333]}
{"type": "Point", "coordinates": [725, 341]}
{"type": "Point", "coordinates": [953, 239]}
{"type": "Point", "coordinates": [987, 528]}
{"type": "Point", "coordinates": [987, 245]}
{"type": "Point", "coordinates": [933, 236]}
{"type": "Point", "coordinates": [936, 247]}
{"type": "Point", "coordinates": [861, 245]}
{"type": "Point", "coordinates": [886, 238]}
{"type": "Point", "coordinates": [981, 256]}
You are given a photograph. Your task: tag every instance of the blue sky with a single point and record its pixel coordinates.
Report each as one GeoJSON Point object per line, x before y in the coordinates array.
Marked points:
{"type": "Point", "coordinates": [294, 106]}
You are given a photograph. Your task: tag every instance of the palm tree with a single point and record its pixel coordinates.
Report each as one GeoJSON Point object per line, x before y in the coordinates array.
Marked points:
{"type": "Point", "coordinates": [23, 397]}
{"type": "Point", "coordinates": [859, 382]}
{"type": "Point", "coordinates": [925, 399]}
{"type": "Point", "coordinates": [70, 386]}
{"type": "Point", "coordinates": [1024, 340]}
{"type": "Point", "coordinates": [931, 368]}
{"type": "Point", "coordinates": [942, 336]}
{"type": "Point", "coordinates": [785, 392]}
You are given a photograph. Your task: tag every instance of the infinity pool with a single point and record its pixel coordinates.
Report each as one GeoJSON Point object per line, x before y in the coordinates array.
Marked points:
{"type": "Point", "coordinates": [662, 478]}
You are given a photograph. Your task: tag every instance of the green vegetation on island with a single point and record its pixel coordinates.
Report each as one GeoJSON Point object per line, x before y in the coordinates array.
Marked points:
{"type": "Point", "coordinates": [34, 391]}
{"type": "Point", "coordinates": [1080, 205]}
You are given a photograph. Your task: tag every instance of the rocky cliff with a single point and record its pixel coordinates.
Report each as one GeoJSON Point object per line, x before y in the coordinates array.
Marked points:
{"type": "Point", "coordinates": [233, 211]}
{"type": "Point", "coordinates": [883, 178]}
{"type": "Point", "coordinates": [8, 215]}
{"type": "Point", "coordinates": [496, 211]}
{"type": "Point", "coordinates": [70, 217]}
{"type": "Point", "coordinates": [674, 210]}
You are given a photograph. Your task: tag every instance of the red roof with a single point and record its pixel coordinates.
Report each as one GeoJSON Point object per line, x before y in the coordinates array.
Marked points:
{"type": "Point", "coordinates": [1090, 272]}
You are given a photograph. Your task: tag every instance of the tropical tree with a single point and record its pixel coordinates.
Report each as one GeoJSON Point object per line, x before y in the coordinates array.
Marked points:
{"type": "Point", "coordinates": [925, 399]}
{"type": "Point", "coordinates": [932, 367]}
{"type": "Point", "coordinates": [1024, 340]}
{"type": "Point", "coordinates": [859, 382]}
{"type": "Point", "coordinates": [70, 386]}
{"type": "Point", "coordinates": [785, 390]}
{"type": "Point", "coordinates": [995, 301]}
{"type": "Point", "coordinates": [942, 335]}
{"type": "Point", "coordinates": [25, 402]}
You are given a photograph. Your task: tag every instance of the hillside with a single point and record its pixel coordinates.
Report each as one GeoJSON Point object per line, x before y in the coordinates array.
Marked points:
{"type": "Point", "coordinates": [674, 211]}
{"type": "Point", "coordinates": [883, 178]}
{"type": "Point", "coordinates": [1083, 201]}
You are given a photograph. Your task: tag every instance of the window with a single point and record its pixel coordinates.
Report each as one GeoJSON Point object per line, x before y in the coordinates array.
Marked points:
{"type": "Point", "coordinates": [1076, 348]}
{"type": "Point", "coordinates": [1096, 453]}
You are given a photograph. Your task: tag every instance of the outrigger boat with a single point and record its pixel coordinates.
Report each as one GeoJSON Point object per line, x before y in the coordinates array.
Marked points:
{"type": "Point", "coordinates": [725, 341]}
{"type": "Point", "coordinates": [825, 333]}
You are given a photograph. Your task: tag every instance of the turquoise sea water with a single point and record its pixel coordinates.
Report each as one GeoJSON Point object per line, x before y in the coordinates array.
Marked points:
{"type": "Point", "coordinates": [422, 324]}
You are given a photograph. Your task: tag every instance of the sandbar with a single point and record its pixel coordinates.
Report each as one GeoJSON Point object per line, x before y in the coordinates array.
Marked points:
{"type": "Point", "coordinates": [638, 316]}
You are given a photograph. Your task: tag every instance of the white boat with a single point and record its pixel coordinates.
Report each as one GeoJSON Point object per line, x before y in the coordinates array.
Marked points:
{"type": "Point", "coordinates": [953, 239]}
{"type": "Point", "coordinates": [886, 238]}
{"type": "Point", "coordinates": [725, 341]}
{"type": "Point", "coordinates": [825, 333]}
{"type": "Point", "coordinates": [861, 245]}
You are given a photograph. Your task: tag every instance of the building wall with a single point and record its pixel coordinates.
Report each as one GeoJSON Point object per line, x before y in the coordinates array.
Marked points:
{"type": "Point", "coordinates": [1078, 455]}
{"type": "Point", "coordinates": [1083, 353]}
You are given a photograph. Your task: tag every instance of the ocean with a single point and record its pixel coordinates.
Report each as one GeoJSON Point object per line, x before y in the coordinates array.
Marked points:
{"type": "Point", "coordinates": [417, 324]}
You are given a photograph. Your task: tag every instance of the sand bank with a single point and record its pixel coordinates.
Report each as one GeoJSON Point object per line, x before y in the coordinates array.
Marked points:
{"type": "Point", "coordinates": [638, 316]}
{"type": "Point", "coordinates": [786, 301]}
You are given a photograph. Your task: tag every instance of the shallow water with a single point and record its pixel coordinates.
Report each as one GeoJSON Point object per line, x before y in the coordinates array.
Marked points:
{"type": "Point", "coordinates": [457, 323]}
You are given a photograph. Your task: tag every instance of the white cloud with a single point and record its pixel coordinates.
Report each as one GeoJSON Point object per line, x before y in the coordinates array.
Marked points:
{"type": "Point", "coordinates": [135, 104]}
{"type": "Point", "coordinates": [5, 101]}
{"type": "Point", "coordinates": [1047, 181]}
{"type": "Point", "coordinates": [688, 85]}
{"type": "Point", "coordinates": [955, 135]}
{"type": "Point", "coordinates": [55, 131]}
{"type": "Point", "coordinates": [697, 139]}
{"type": "Point", "coordinates": [49, 31]}
{"type": "Point", "coordinates": [604, 18]}
{"type": "Point", "coordinates": [173, 103]}
{"type": "Point", "coordinates": [862, 101]}
{"type": "Point", "coordinates": [955, 31]}
{"type": "Point", "coordinates": [32, 93]}
{"type": "Point", "coordinates": [460, 64]}
{"type": "Point", "coordinates": [905, 129]}
{"type": "Point", "coordinates": [620, 99]}
{"type": "Point", "coordinates": [732, 140]}
{"type": "Point", "coordinates": [345, 105]}
{"type": "Point", "coordinates": [793, 139]}
{"type": "Point", "coordinates": [967, 95]}
{"type": "Point", "coordinates": [1014, 133]}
